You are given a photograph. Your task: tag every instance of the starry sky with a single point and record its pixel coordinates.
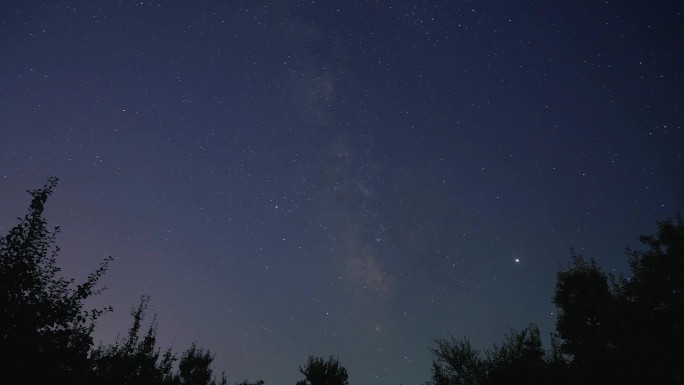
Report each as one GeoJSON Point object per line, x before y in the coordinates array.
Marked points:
{"type": "Point", "coordinates": [349, 178]}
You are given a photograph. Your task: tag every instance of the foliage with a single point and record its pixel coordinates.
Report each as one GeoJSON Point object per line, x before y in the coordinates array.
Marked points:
{"type": "Point", "coordinates": [457, 362]}
{"type": "Point", "coordinates": [633, 326]}
{"type": "Point", "coordinates": [42, 320]}
{"type": "Point", "coordinates": [195, 367]}
{"type": "Point", "coordinates": [629, 329]}
{"type": "Point", "coordinates": [520, 359]}
{"type": "Point", "coordinates": [586, 317]}
{"type": "Point", "coordinates": [136, 359]}
{"type": "Point", "coordinates": [133, 360]}
{"type": "Point", "coordinates": [608, 330]}
{"type": "Point", "coordinates": [46, 335]}
{"type": "Point", "coordinates": [246, 382]}
{"type": "Point", "coordinates": [651, 307]}
{"type": "Point", "coordinates": [319, 371]}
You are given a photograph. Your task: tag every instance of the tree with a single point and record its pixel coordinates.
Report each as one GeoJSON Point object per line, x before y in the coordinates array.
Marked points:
{"type": "Point", "coordinates": [247, 382]}
{"type": "Point", "coordinates": [629, 329]}
{"type": "Point", "coordinates": [323, 372]}
{"type": "Point", "coordinates": [134, 360]}
{"type": "Point", "coordinates": [651, 306]}
{"type": "Point", "coordinates": [46, 335]}
{"type": "Point", "coordinates": [608, 330]}
{"type": "Point", "coordinates": [43, 323]}
{"type": "Point", "coordinates": [195, 367]}
{"type": "Point", "coordinates": [456, 362]}
{"type": "Point", "coordinates": [585, 318]}
{"type": "Point", "coordinates": [521, 358]}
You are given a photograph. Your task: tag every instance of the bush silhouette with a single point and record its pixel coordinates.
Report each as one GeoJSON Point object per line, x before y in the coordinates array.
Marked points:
{"type": "Point", "coordinates": [319, 371]}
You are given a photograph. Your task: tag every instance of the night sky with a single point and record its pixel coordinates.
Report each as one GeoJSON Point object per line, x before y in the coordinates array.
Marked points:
{"type": "Point", "coordinates": [349, 178]}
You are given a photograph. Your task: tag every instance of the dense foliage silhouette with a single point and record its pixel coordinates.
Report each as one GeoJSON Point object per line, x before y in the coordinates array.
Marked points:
{"type": "Point", "coordinates": [46, 334]}
{"type": "Point", "coordinates": [319, 371]}
{"type": "Point", "coordinates": [608, 329]}
{"type": "Point", "coordinates": [519, 359]}
{"type": "Point", "coordinates": [586, 318]}
{"type": "Point", "coordinates": [43, 323]}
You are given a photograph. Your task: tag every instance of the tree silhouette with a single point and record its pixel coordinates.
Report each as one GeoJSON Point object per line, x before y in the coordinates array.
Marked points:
{"type": "Point", "coordinates": [519, 359]}
{"type": "Point", "coordinates": [456, 362]}
{"type": "Point", "coordinates": [633, 328]}
{"type": "Point", "coordinates": [585, 321]}
{"type": "Point", "coordinates": [246, 382]}
{"type": "Point", "coordinates": [651, 307]}
{"type": "Point", "coordinates": [42, 320]}
{"type": "Point", "coordinates": [608, 330]}
{"type": "Point", "coordinates": [195, 367]}
{"type": "Point", "coordinates": [134, 360]}
{"type": "Point", "coordinates": [323, 372]}
{"type": "Point", "coordinates": [46, 335]}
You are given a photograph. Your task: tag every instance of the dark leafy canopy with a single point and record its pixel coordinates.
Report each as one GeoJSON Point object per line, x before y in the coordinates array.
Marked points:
{"type": "Point", "coordinates": [456, 362]}
{"type": "Point", "coordinates": [587, 314]}
{"type": "Point", "coordinates": [45, 335]}
{"type": "Point", "coordinates": [521, 356]}
{"type": "Point", "coordinates": [137, 360]}
{"type": "Point", "coordinates": [42, 321]}
{"type": "Point", "coordinates": [319, 371]}
{"type": "Point", "coordinates": [634, 326]}
{"type": "Point", "coordinates": [195, 367]}
{"type": "Point", "coordinates": [520, 359]}
{"type": "Point", "coordinates": [133, 360]}
{"type": "Point", "coordinates": [651, 307]}
{"type": "Point", "coordinates": [608, 330]}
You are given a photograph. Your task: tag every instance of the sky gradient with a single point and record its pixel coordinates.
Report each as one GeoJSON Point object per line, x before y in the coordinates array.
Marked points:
{"type": "Point", "coordinates": [351, 178]}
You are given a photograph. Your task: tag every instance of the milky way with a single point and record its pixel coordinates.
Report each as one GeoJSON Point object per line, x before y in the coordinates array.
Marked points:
{"type": "Point", "coordinates": [357, 178]}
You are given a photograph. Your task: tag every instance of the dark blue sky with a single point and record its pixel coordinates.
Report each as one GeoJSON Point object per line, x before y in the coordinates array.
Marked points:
{"type": "Point", "coordinates": [351, 178]}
